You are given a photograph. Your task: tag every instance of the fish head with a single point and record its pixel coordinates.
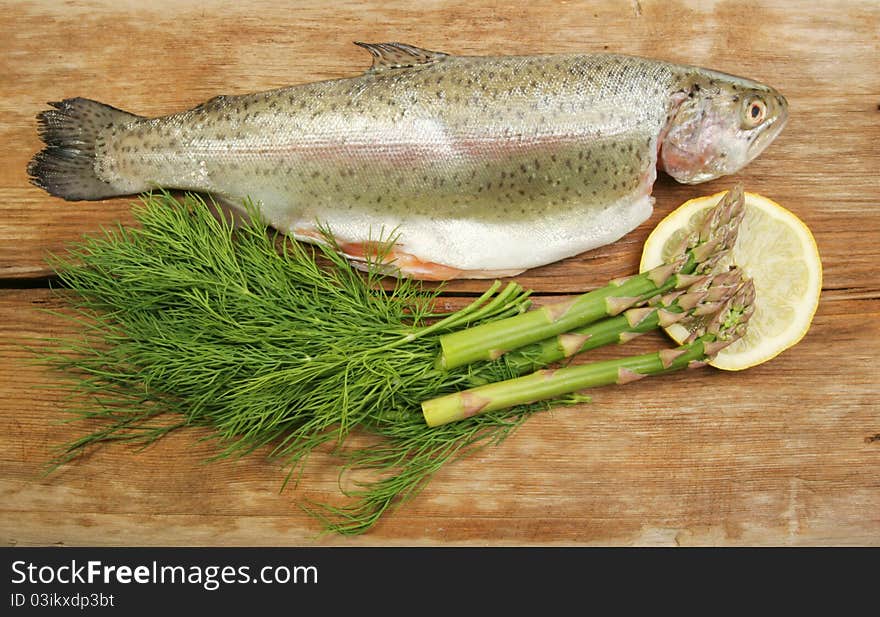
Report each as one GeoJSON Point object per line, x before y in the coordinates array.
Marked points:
{"type": "Point", "coordinates": [721, 122]}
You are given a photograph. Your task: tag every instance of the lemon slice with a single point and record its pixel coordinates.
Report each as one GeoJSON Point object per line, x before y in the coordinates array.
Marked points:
{"type": "Point", "coordinates": [775, 249]}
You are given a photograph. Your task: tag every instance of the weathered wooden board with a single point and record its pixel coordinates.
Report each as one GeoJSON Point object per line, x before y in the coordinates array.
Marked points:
{"type": "Point", "coordinates": [785, 453]}
{"type": "Point", "coordinates": [167, 56]}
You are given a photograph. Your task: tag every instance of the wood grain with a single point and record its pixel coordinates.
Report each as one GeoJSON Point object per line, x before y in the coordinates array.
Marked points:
{"type": "Point", "coordinates": [785, 453]}
{"type": "Point", "coordinates": [167, 56]}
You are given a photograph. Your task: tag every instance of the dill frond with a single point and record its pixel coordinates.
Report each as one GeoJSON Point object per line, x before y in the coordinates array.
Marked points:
{"type": "Point", "coordinates": [185, 320]}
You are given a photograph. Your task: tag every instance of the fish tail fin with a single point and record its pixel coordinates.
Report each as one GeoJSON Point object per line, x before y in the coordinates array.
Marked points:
{"type": "Point", "coordinates": [66, 167]}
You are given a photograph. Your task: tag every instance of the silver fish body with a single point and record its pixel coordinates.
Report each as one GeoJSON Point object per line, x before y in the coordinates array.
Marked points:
{"type": "Point", "coordinates": [480, 166]}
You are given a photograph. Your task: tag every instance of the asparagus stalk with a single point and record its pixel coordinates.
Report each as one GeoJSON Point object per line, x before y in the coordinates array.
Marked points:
{"type": "Point", "coordinates": [726, 326]}
{"type": "Point", "coordinates": [699, 253]}
{"type": "Point", "coordinates": [704, 297]}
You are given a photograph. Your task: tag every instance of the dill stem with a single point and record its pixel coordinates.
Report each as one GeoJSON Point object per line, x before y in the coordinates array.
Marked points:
{"type": "Point", "coordinates": [184, 321]}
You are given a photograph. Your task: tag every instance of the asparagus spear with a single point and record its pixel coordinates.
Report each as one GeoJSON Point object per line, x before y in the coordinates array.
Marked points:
{"type": "Point", "coordinates": [705, 296]}
{"type": "Point", "coordinates": [726, 326]}
{"type": "Point", "coordinates": [698, 255]}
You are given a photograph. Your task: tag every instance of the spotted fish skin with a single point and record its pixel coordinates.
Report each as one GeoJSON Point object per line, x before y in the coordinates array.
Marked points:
{"type": "Point", "coordinates": [480, 166]}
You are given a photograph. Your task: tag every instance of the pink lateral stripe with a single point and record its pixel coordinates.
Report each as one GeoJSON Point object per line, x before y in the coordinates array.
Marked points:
{"type": "Point", "coordinates": [428, 149]}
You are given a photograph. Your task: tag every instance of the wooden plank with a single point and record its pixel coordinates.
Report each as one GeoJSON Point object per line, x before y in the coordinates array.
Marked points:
{"type": "Point", "coordinates": [784, 453]}
{"type": "Point", "coordinates": [166, 56]}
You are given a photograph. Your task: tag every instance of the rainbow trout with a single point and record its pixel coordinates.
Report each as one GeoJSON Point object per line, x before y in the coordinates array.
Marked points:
{"type": "Point", "coordinates": [480, 166]}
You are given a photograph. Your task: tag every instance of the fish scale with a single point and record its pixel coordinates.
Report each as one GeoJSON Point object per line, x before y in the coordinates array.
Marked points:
{"type": "Point", "coordinates": [480, 166]}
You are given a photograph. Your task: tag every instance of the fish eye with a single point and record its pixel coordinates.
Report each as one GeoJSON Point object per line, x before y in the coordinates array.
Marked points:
{"type": "Point", "coordinates": [754, 112]}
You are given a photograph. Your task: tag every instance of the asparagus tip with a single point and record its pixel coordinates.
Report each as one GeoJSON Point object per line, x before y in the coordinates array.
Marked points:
{"type": "Point", "coordinates": [730, 323]}
{"type": "Point", "coordinates": [719, 231]}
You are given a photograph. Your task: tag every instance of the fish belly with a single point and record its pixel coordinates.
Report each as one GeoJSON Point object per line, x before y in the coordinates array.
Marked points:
{"type": "Point", "coordinates": [476, 166]}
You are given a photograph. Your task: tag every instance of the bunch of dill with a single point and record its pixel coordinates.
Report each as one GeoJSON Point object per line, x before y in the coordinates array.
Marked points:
{"type": "Point", "coordinates": [186, 320]}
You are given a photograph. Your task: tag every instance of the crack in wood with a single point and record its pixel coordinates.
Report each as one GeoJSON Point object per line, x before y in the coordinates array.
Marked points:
{"type": "Point", "coordinates": [45, 282]}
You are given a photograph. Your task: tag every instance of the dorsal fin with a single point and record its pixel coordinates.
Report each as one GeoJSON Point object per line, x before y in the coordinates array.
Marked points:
{"type": "Point", "coordinates": [399, 55]}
